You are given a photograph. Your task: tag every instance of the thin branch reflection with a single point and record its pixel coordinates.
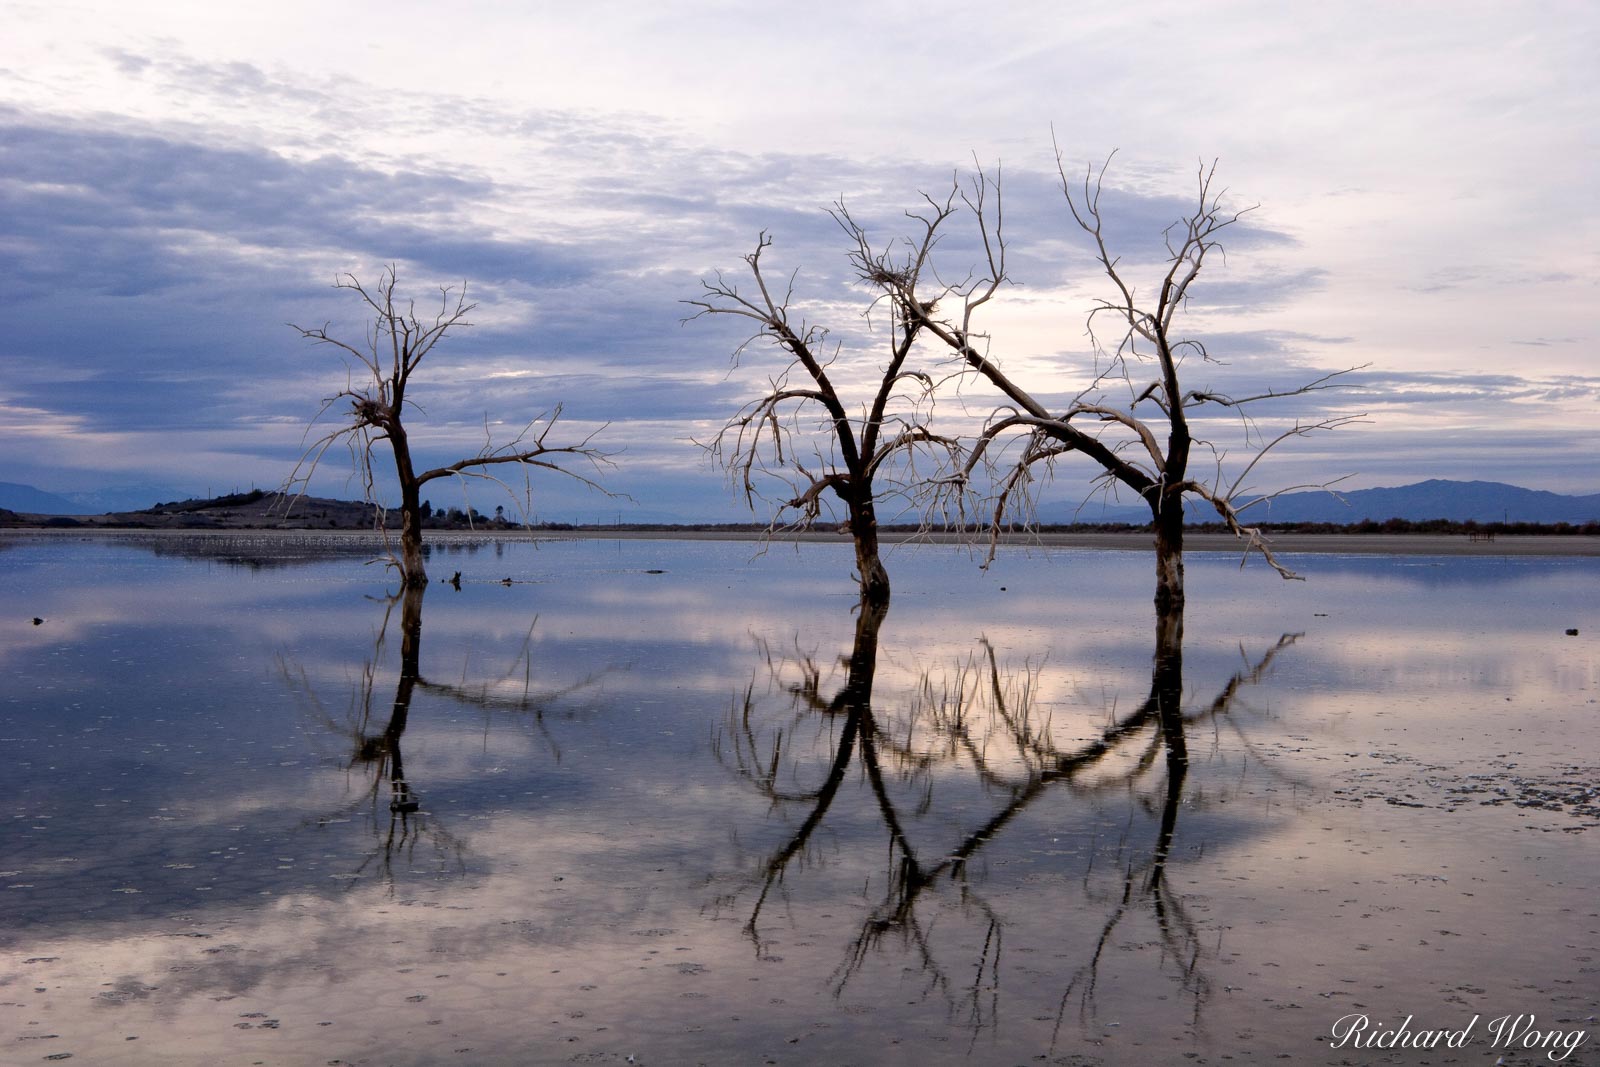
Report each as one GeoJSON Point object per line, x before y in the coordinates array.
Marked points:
{"type": "Point", "coordinates": [942, 769]}
{"type": "Point", "coordinates": [374, 736]}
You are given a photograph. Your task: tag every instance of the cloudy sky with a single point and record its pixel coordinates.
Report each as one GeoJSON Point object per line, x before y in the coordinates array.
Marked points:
{"type": "Point", "coordinates": [179, 180]}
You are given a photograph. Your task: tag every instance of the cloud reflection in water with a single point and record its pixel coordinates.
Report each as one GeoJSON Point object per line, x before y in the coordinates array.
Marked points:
{"type": "Point", "coordinates": [673, 815]}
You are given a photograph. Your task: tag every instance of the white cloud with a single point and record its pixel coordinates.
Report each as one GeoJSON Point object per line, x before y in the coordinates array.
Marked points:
{"type": "Point", "coordinates": [182, 178]}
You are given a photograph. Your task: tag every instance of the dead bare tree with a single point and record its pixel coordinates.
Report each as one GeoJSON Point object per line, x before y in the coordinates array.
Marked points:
{"type": "Point", "coordinates": [1122, 435]}
{"type": "Point", "coordinates": [850, 455]}
{"type": "Point", "coordinates": [373, 407]}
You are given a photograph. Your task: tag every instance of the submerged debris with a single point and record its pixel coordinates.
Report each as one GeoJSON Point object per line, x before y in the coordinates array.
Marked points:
{"type": "Point", "coordinates": [1573, 790]}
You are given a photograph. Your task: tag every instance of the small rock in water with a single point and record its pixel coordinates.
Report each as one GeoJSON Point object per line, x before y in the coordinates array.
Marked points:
{"type": "Point", "coordinates": [40, 622]}
{"type": "Point", "coordinates": [1573, 632]}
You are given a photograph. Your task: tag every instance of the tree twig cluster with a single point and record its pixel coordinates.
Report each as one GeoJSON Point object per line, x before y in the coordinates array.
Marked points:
{"type": "Point", "coordinates": [1133, 420]}
{"type": "Point", "coordinates": [372, 408]}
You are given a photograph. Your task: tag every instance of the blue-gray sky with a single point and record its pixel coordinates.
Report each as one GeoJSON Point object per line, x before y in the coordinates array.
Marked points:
{"type": "Point", "coordinates": [180, 179]}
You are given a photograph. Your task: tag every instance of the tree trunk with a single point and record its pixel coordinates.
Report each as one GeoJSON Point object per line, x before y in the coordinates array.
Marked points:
{"type": "Point", "coordinates": [1167, 674]}
{"type": "Point", "coordinates": [1168, 515]}
{"type": "Point", "coordinates": [864, 653]}
{"type": "Point", "coordinates": [1168, 503]}
{"type": "Point", "coordinates": [401, 799]}
{"type": "Point", "coordinates": [1167, 688]}
{"type": "Point", "coordinates": [869, 568]}
{"type": "Point", "coordinates": [413, 575]}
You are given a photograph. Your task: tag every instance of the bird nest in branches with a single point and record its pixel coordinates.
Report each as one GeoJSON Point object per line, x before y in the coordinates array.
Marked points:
{"type": "Point", "coordinates": [888, 276]}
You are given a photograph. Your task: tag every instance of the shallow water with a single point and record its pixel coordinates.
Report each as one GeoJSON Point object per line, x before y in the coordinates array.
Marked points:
{"type": "Point", "coordinates": [628, 808]}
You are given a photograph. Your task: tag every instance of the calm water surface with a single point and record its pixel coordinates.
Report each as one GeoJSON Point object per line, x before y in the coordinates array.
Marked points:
{"type": "Point", "coordinates": [662, 802]}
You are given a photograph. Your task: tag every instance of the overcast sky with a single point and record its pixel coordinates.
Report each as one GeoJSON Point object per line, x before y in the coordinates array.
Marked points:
{"type": "Point", "coordinates": [178, 180]}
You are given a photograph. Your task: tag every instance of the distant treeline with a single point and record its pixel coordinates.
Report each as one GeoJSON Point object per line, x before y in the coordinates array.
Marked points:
{"type": "Point", "coordinates": [1366, 526]}
{"type": "Point", "coordinates": [232, 500]}
{"type": "Point", "coordinates": [1421, 526]}
{"type": "Point", "coordinates": [355, 515]}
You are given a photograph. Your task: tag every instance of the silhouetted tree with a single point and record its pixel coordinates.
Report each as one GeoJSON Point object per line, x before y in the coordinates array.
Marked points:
{"type": "Point", "coordinates": [373, 407]}
{"type": "Point", "coordinates": [1143, 439]}
{"type": "Point", "coordinates": [801, 435]}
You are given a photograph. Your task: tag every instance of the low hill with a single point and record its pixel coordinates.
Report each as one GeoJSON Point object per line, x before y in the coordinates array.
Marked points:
{"type": "Point", "coordinates": [1436, 498]}
{"type": "Point", "coordinates": [255, 510]}
{"type": "Point", "coordinates": [1432, 499]}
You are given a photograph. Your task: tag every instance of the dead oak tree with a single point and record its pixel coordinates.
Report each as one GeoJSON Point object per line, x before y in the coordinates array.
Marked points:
{"type": "Point", "coordinates": [1134, 418]}
{"type": "Point", "coordinates": [801, 434]}
{"type": "Point", "coordinates": [373, 406]}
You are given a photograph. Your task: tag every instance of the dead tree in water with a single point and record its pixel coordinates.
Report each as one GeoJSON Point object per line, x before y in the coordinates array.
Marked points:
{"type": "Point", "coordinates": [850, 455]}
{"type": "Point", "coordinates": [374, 407]}
{"type": "Point", "coordinates": [1142, 439]}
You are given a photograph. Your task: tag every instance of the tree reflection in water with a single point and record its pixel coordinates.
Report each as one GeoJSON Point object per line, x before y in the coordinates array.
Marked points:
{"type": "Point", "coordinates": [375, 738]}
{"type": "Point", "coordinates": [979, 727]}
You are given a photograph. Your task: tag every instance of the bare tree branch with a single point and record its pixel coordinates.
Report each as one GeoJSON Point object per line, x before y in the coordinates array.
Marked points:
{"type": "Point", "coordinates": [373, 406]}
{"type": "Point", "coordinates": [861, 459]}
{"type": "Point", "coordinates": [1148, 455]}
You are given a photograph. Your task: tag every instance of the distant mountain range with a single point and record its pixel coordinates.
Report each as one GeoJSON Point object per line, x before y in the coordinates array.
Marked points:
{"type": "Point", "coordinates": [30, 500]}
{"type": "Point", "coordinates": [1432, 499]}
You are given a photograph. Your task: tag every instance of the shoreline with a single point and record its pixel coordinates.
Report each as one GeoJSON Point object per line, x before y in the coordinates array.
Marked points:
{"type": "Point", "coordinates": [1404, 544]}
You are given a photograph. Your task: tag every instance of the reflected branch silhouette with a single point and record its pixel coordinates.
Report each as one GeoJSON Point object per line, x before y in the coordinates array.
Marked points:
{"type": "Point", "coordinates": [514, 691]}
{"type": "Point", "coordinates": [852, 702]}
{"type": "Point", "coordinates": [985, 722]}
{"type": "Point", "coordinates": [379, 748]}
